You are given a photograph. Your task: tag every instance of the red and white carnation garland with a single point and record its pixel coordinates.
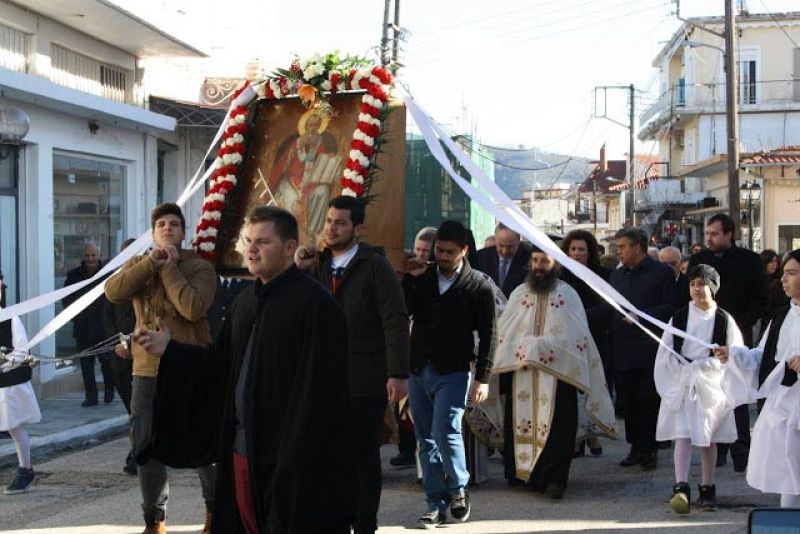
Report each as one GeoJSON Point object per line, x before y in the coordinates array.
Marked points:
{"type": "Point", "coordinates": [309, 79]}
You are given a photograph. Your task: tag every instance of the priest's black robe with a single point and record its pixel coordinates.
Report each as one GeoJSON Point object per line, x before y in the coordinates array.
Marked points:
{"type": "Point", "coordinates": [295, 408]}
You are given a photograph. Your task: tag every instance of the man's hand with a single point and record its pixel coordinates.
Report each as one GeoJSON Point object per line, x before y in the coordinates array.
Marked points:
{"type": "Point", "coordinates": [153, 341]}
{"type": "Point", "coordinates": [794, 363]}
{"type": "Point", "coordinates": [722, 354]}
{"type": "Point", "coordinates": [304, 257]}
{"type": "Point", "coordinates": [122, 351]}
{"type": "Point", "coordinates": [158, 256]}
{"type": "Point", "coordinates": [416, 266]}
{"type": "Point", "coordinates": [631, 318]}
{"type": "Point", "coordinates": [396, 389]}
{"type": "Point", "coordinates": [478, 392]}
{"type": "Point", "coordinates": [172, 254]}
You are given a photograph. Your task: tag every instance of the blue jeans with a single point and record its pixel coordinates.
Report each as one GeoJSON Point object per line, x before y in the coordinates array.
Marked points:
{"type": "Point", "coordinates": [437, 404]}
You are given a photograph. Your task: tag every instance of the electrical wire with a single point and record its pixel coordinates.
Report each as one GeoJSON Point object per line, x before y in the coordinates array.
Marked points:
{"type": "Point", "coordinates": [777, 22]}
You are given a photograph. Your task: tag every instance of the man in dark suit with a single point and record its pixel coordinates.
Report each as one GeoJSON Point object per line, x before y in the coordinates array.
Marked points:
{"type": "Point", "coordinates": [507, 261]}
{"type": "Point", "coordinates": [650, 286]}
{"type": "Point", "coordinates": [672, 257]}
{"type": "Point", "coordinates": [743, 294]}
{"type": "Point", "coordinates": [227, 290]}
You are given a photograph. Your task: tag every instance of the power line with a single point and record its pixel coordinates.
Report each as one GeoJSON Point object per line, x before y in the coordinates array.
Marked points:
{"type": "Point", "coordinates": [776, 21]}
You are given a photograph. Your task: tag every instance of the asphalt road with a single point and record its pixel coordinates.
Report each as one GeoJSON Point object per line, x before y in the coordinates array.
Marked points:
{"type": "Point", "coordinates": [85, 492]}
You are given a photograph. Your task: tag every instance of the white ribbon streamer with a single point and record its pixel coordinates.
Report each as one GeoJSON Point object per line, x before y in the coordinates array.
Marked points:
{"type": "Point", "coordinates": [505, 211]}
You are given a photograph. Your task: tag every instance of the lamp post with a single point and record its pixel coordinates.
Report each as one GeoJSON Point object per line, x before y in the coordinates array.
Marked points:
{"type": "Point", "coordinates": [750, 193]}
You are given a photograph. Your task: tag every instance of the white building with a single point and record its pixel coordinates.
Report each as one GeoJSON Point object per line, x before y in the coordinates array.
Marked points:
{"type": "Point", "coordinates": [688, 119]}
{"type": "Point", "coordinates": [94, 161]}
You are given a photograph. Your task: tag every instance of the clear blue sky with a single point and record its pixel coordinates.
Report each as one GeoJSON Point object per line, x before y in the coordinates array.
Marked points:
{"type": "Point", "coordinates": [524, 70]}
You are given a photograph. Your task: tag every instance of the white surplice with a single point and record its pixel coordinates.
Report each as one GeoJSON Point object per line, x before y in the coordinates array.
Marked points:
{"type": "Point", "coordinates": [774, 462]}
{"type": "Point", "coordinates": [18, 405]}
{"type": "Point", "coordinates": [694, 404]}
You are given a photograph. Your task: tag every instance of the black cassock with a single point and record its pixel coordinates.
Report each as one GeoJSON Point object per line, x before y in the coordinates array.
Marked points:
{"type": "Point", "coordinates": [295, 408]}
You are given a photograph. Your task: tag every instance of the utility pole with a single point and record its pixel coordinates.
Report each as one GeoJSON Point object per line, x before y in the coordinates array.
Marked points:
{"type": "Point", "coordinates": [594, 203]}
{"type": "Point", "coordinates": [396, 44]}
{"type": "Point", "coordinates": [632, 174]}
{"type": "Point", "coordinates": [385, 33]}
{"type": "Point", "coordinates": [630, 213]}
{"type": "Point", "coordinates": [732, 105]}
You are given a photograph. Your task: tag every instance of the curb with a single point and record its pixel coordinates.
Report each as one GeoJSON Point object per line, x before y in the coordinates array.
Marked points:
{"type": "Point", "coordinates": [65, 439]}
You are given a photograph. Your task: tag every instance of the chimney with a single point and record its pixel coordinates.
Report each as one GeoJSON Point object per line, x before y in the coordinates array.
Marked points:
{"type": "Point", "coordinates": [603, 159]}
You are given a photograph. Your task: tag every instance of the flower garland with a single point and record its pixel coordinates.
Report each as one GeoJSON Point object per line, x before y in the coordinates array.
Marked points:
{"type": "Point", "coordinates": [310, 80]}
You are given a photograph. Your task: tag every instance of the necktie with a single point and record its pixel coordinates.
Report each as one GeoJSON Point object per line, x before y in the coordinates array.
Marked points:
{"type": "Point", "coordinates": [336, 275]}
{"type": "Point", "coordinates": [504, 264]}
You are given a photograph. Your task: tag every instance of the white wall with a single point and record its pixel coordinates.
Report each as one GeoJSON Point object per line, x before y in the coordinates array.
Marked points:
{"type": "Point", "coordinates": [757, 131]}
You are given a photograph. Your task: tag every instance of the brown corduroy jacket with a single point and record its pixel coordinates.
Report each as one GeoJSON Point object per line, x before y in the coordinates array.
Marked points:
{"type": "Point", "coordinates": [180, 294]}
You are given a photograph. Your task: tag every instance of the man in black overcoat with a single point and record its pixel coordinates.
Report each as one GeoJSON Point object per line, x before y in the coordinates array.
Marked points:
{"type": "Point", "coordinates": [743, 294]}
{"type": "Point", "coordinates": [282, 456]}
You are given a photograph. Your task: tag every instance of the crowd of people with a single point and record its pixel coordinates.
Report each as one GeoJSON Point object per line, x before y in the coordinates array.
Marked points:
{"type": "Point", "coordinates": [277, 390]}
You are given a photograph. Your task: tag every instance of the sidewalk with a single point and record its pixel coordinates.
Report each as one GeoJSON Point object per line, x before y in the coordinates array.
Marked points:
{"type": "Point", "coordinates": [65, 424]}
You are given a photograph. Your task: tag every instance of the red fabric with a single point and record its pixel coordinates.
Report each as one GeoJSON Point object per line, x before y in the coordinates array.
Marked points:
{"type": "Point", "coordinates": [244, 494]}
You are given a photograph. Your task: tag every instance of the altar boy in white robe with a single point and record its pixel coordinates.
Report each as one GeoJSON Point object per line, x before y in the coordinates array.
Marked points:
{"type": "Point", "coordinates": [545, 343]}
{"type": "Point", "coordinates": [695, 410]}
{"type": "Point", "coordinates": [770, 371]}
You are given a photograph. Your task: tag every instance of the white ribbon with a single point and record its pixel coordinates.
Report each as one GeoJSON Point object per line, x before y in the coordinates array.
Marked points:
{"type": "Point", "coordinates": [505, 211]}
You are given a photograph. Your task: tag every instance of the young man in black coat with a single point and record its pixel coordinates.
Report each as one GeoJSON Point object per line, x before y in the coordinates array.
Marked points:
{"type": "Point", "coordinates": [650, 286]}
{"type": "Point", "coordinates": [743, 294]}
{"type": "Point", "coordinates": [283, 448]}
{"type": "Point", "coordinates": [361, 279]}
{"type": "Point", "coordinates": [448, 303]}
{"type": "Point", "coordinates": [507, 261]}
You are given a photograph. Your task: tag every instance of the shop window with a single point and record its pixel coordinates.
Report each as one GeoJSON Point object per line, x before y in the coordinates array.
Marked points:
{"type": "Point", "coordinates": [788, 237]}
{"type": "Point", "coordinates": [87, 207]}
{"type": "Point", "coordinates": [9, 228]}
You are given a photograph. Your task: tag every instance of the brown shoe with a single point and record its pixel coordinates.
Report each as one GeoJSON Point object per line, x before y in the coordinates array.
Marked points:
{"type": "Point", "coordinates": [207, 524]}
{"type": "Point", "coordinates": [158, 528]}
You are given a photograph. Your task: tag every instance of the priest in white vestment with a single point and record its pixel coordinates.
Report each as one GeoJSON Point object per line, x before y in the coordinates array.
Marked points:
{"type": "Point", "coordinates": [545, 355]}
{"type": "Point", "coordinates": [770, 371]}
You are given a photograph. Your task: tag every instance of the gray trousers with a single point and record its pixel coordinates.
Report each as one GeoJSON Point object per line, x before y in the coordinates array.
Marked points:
{"type": "Point", "coordinates": [153, 474]}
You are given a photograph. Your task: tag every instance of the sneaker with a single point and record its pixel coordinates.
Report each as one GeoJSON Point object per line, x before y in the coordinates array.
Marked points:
{"type": "Point", "coordinates": [21, 482]}
{"type": "Point", "coordinates": [404, 459]}
{"type": "Point", "coordinates": [459, 505]}
{"type": "Point", "coordinates": [707, 501]}
{"type": "Point", "coordinates": [431, 520]}
{"type": "Point", "coordinates": [681, 497]}
{"type": "Point", "coordinates": [649, 461]}
{"type": "Point", "coordinates": [158, 527]}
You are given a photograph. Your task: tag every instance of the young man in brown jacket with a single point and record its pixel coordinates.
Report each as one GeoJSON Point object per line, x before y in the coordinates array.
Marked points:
{"type": "Point", "coordinates": [177, 286]}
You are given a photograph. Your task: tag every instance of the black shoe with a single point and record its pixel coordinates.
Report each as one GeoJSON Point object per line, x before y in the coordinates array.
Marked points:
{"type": "Point", "coordinates": [649, 461]}
{"type": "Point", "coordinates": [404, 459]}
{"type": "Point", "coordinates": [108, 396]}
{"type": "Point", "coordinates": [21, 482]}
{"type": "Point", "coordinates": [89, 402]}
{"type": "Point", "coordinates": [459, 505]}
{"type": "Point", "coordinates": [739, 453]}
{"type": "Point", "coordinates": [708, 498]}
{"type": "Point", "coordinates": [130, 466]}
{"type": "Point", "coordinates": [580, 450]}
{"type": "Point", "coordinates": [514, 482]}
{"type": "Point", "coordinates": [633, 458]}
{"type": "Point", "coordinates": [722, 454]}
{"type": "Point", "coordinates": [431, 520]}
{"type": "Point", "coordinates": [681, 498]}
{"type": "Point", "coordinates": [555, 491]}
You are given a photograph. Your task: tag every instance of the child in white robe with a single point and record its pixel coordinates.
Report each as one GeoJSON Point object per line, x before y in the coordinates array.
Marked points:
{"type": "Point", "coordinates": [770, 371]}
{"type": "Point", "coordinates": [18, 405]}
{"type": "Point", "coordinates": [695, 410]}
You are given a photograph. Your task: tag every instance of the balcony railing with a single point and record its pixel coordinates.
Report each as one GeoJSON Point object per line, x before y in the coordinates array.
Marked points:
{"type": "Point", "coordinates": [682, 98]}
{"type": "Point", "coordinates": [86, 74]}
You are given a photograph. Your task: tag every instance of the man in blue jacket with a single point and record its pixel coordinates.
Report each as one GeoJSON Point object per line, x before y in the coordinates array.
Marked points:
{"type": "Point", "coordinates": [650, 286]}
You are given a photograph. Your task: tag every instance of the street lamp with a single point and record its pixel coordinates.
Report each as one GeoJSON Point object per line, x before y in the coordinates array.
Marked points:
{"type": "Point", "coordinates": [750, 193]}
{"type": "Point", "coordinates": [14, 126]}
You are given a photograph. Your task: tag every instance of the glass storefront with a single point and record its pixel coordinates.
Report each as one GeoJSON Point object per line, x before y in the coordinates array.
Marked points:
{"type": "Point", "coordinates": [87, 207]}
{"type": "Point", "coordinates": [9, 258]}
{"type": "Point", "coordinates": [788, 237]}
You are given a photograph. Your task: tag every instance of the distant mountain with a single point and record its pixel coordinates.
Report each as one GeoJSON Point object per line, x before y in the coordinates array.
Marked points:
{"type": "Point", "coordinates": [515, 181]}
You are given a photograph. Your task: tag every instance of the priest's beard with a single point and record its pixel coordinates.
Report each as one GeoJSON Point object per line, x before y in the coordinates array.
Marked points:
{"type": "Point", "coordinates": [542, 282]}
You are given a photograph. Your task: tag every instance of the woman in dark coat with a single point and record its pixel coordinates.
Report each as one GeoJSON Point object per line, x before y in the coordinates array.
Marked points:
{"type": "Point", "coordinates": [581, 246]}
